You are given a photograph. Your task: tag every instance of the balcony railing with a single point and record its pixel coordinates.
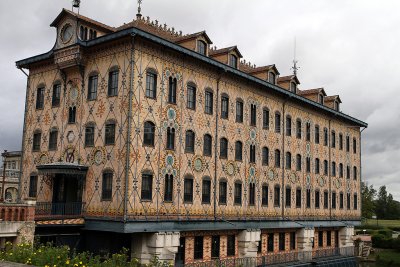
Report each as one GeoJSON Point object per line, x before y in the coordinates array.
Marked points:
{"type": "Point", "coordinates": [276, 258]}
{"type": "Point", "coordinates": [59, 210]}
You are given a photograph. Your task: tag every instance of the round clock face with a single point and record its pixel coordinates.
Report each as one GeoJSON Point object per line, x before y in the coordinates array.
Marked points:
{"type": "Point", "coordinates": [67, 33]}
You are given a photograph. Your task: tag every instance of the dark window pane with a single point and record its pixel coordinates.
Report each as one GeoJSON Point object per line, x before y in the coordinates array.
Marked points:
{"type": "Point", "coordinates": [151, 84]}
{"type": "Point", "coordinates": [147, 185]}
{"type": "Point", "coordinates": [33, 186]}
{"type": "Point", "coordinates": [37, 139]}
{"type": "Point", "coordinates": [224, 107]}
{"type": "Point", "coordinates": [113, 83]}
{"type": "Point", "coordinates": [207, 146]}
{"type": "Point", "coordinates": [168, 187]}
{"type": "Point", "coordinates": [208, 102]}
{"type": "Point", "coordinates": [92, 88]}
{"type": "Point", "coordinates": [110, 134]}
{"type": "Point", "coordinates": [191, 97]}
{"type": "Point", "coordinates": [53, 140]}
{"type": "Point", "coordinates": [198, 247]}
{"type": "Point", "coordinates": [239, 111]}
{"type": "Point", "coordinates": [190, 138]}
{"type": "Point", "coordinates": [231, 245]}
{"type": "Point", "coordinates": [188, 190]}
{"type": "Point", "coordinates": [172, 90]}
{"type": "Point", "coordinates": [206, 192]}
{"type": "Point", "coordinates": [89, 136]}
{"type": "Point", "coordinates": [222, 192]}
{"type": "Point", "coordinates": [40, 98]}
{"type": "Point", "coordinates": [55, 100]}
{"type": "Point", "coordinates": [106, 192]}
{"type": "Point", "coordinates": [148, 133]}
{"type": "Point", "coordinates": [238, 193]}
{"type": "Point", "coordinates": [238, 150]}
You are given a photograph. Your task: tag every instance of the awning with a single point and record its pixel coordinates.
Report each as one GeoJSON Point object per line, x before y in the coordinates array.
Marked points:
{"type": "Point", "coordinates": [62, 168]}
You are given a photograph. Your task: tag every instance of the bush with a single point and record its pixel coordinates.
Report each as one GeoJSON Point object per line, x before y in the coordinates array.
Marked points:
{"type": "Point", "coordinates": [386, 232]}
{"type": "Point", "coordinates": [381, 241]}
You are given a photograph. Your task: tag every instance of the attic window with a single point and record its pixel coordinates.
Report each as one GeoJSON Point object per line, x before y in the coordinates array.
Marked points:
{"type": "Point", "coordinates": [336, 105]}
{"type": "Point", "coordinates": [201, 47]}
{"type": "Point", "coordinates": [233, 61]}
{"type": "Point", "coordinates": [293, 87]}
{"type": "Point", "coordinates": [321, 99]}
{"type": "Point", "coordinates": [271, 77]}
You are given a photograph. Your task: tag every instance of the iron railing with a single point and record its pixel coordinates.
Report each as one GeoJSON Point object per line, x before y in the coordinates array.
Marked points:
{"type": "Point", "coordinates": [59, 210]}
{"type": "Point", "coordinates": [276, 258]}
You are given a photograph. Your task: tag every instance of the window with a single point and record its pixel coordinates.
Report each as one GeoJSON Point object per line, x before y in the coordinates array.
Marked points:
{"type": "Point", "coordinates": [201, 47]}
{"type": "Point", "coordinates": [231, 245]}
{"type": "Point", "coordinates": [336, 105]}
{"type": "Point", "coordinates": [298, 198]}
{"type": "Point", "coordinates": [148, 133]}
{"type": "Point", "coordinates": [355, 201]}
{"type": "Point", "coordinates": [239, 111]}
{"type": "Point", "coordinates": [341, 141]}
{"type": "Point", "coordinates": [298, 129]}
{"type": "Point", "coordinates": [55, 100]}
{"type": "Point", "coordinates": [208, 102]}
{"type": "Point", "coordinates": [288, 126]}
{"type": "Point", "coordinates": [281, 241]}
{"type": "Point", "coordinates": [147, 185]}
{"type": "Point", "coordinates": [252, 194]}
{"type": "Point", "coordinates": [320, 238]}
{"type": "Point", "coordinates": [293, 87]}
{"type": "Point", "coordinates": [215, 245]}
{"type": "Point", "coordinates": [223, 153]}
{"type": "Point", "coordinates": [238, 150]}
{"type": "Point", "coordinates": [252, 154]}
{"type": "Point", "coordinates": [288, 197]}
{"type": "Point", "coordinates": [40, 98]}
{"type": "Point", "coordinates": [325, 167]}
{"type": "Point", "coordinates": [317, 199]}
{"type": "Point", "coordinates": [188, 190]}
{"type": "Point", "coordinates": [308, 198]}
{"type": "Point", "coordinates": [355, 173]}
{"type": "Point", "coordinates": [277, 158]}
{"type": "Point", "coordinates": [298, 162]}
{"type": "Point", "coordinates": [271, 77]}
{"type": "Point", "coordinates": [266, 118]}
{"type": "Point", "coordinates": [71, 115]}
{"type": "Point", "coordinates": [333, 139]}
{"type": "Point", "coordinates": [347, 143]}
{"type": "Point", "coordinates": [277, 122]}
{"type": "Point", "coordinates": [189, 144]}
{"type": "Point", "coordinates": [348, 172]}
{"type": "Point", "coordinates": [113, 83]}
{"type": "Point", "coordinates": [172, 90]}
{"type": "Point", "coordinates": [224, 107]}
{"type": "Point", "coordinates": [233, 61]}
{"type": "Point", "coordinates": [317, 167]}
{"type": "Point", "coordinates": [37, 138]}
{"type": "Point", "coordinates": [288, 160]}
{"type": "Point", "coordinates": [33, 186]}
{"type": "Point", "coordinates": [198, 247]}
{"type": "Point", "coordinates": [326, 199]}
{"type": "Point", "coordinates": [92, 88]}
{"type": "Point", "coordinates": [170, 138]}
{"type": "Point", "coordinates": [238, 193]}
{"type": "Point", "coordinates": [168, 187]}
{"type": "Point", "coordinates": [206, 191]}
{"type": "Point", "coordinates": [106, 192]}
{"type": "Point", "coordinates": [348, 201]}
{"type": "Point", "coordinates": [277, 196]}
{"type": "Point", "coordinates": [89, 135]}
{"type": "Point", "coordinates": [207, 146]}
{"type": "Point", "coordinates": [53, 139]}
{"type": "Point", "coordinates": [264, 195]}
{"type": "Point", "coordinates": [270, 242]}
{"type": "Point", "coordinates": [341, 170]}
{"type": "Point", "coordinates": [222, 192]}
{"type": "Point", "coordinates": [191, 96]}
{"type": "Point", "coordinates": [333, 168]}
{"type": "Point", "coordinates": [110, 133]}
{"type": "Point", "coordinates": [151, 84]}
{"type": "Point", "coordinates": [316, 134]}
{"type": "Point", "coordinates": [333, 200]}
{"type": "Point", "coordinates": [253, 115]}
{"type": "Point", "coordinates": [265, 156]}
{"type": "Point", "coordinates": [354, 146]}
{"type": "Point", "coordinates": [308, 164]}
{"type": "Point", "coordinates": [308, 131]}
{"type": "Point", "coordinates": [341, 200]}
{"type": "Point", "coordinates": [328, 238]}
{"type": "Point", "coordinates": [293, 240]}
{"type": "Point", "coordinates": [321, 99]}
{"type": "Point", "coordinates": [325, 136]}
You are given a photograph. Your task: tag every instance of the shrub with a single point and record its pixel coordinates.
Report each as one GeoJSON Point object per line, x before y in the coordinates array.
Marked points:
{"type": "Point", "coordinates": [381, 241]}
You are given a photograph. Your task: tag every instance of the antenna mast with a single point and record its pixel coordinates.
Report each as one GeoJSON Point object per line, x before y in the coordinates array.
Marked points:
{"type": "Point", "coordinates": [295, 68]}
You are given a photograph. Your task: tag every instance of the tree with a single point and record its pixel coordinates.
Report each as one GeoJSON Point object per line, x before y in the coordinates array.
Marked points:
{"type": "Point", "coordinates": [368, 195]}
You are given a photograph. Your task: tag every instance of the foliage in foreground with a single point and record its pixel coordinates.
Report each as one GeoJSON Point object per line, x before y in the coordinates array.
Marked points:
{"type": "Point", "coordinates": [50, 256]}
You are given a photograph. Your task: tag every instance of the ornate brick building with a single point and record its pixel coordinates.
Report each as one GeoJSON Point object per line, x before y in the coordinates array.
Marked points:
{"type": "Point", "coordinates": [184, 151]}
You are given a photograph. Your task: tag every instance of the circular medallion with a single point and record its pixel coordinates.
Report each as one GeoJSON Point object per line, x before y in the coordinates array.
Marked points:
{"type": "Point", "coordinates": [43, 159]}
{"type": "Point", "coordinates": [171, 114]}
{"type": "Point", "coordinates": [271, 175]}
{"type": "Point", "coordinates": [98, 156]}
{"type": "Point", "coordinates": [169, 160]}
{"type": "Point", "coordinates": [252, 171]}
{"type": "Point", "coordinates": [230, 168]}
{"type": "Point", "coordinates": [253, 134]}
{"type": "Point", "coordinates": [198, 164]}
{"type": "Point", "coordinates": [167, 73]}
{"type": "Point", "coordinates": [70, 136]}
{"type": "Point", "coordinates": [67, 32]}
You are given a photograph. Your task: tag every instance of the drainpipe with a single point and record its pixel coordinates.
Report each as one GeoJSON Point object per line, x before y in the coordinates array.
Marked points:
{"type": "Point", "coordinates": [23, 136]}
{"type": "Point", "coordinates": [216, 148]}
{"type": "Point", "coordinates": [283, 156]}
{"type": "Point", "coordinates": [128, 139]}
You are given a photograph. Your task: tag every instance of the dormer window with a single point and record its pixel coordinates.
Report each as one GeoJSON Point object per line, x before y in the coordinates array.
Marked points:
{"type": "Point", "coordinates": [321, 99]}
{"type": "Point", "coordinates": [201, 47]}
{"type": "Point", "coordinates": [293, 87]}
{"type": "Point", "coordinates": [233, 61]}
{"type": "Point", "coordinates": [336, 105]}
{"type": "Point", "coordinates": [271, 77]}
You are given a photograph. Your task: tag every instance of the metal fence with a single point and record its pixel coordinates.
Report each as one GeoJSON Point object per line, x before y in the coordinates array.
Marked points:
{"type": "Point", "coordinates": [59, 210]}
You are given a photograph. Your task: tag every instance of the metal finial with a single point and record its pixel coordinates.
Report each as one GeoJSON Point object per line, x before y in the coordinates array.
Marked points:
{"type": "Point", "coordinates": [139, 7]}
{"type": "Point", "coordinates": [295, 68]}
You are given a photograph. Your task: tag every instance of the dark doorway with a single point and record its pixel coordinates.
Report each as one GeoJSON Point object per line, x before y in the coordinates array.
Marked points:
{"type": "Point", "coordinates": [67, 194]}
{"type": "Point", "coordinates": [180, 256]}
{"type": "Point", "coordinates": [215, 246]}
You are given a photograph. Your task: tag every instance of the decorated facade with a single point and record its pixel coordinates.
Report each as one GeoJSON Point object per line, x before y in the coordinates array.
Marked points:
{"type": "Point", "coordinates": [184, 151]}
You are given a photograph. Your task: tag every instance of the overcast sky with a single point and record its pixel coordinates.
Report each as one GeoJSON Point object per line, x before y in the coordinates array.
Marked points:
{"type": "Point", "coordinates": [349, 47]}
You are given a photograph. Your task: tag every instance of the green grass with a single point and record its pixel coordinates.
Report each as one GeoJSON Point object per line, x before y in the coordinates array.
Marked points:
{"type": "Point", "coordinates": [383, 223]}
{"type": "Point", "coordinates": [388, 257]}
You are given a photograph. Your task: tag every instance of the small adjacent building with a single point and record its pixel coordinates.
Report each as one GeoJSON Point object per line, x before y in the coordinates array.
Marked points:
{"type": "Point", "coordinates": [11, 173]}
